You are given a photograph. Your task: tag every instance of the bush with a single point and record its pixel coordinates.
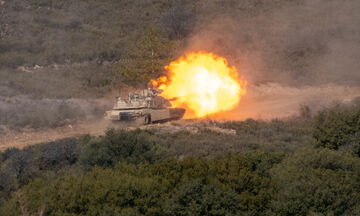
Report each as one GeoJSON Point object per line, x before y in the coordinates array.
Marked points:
{"type": "Point", "coordinates": [59, 154]}
{"type": "Point", "coordinates": [133, 146]}
{"type": "Point", "coordinates": [248, 175]}
{"type": "Point", "coordinates": [194, 186]}
{"type": "Point", "coordinates": [199, 198]}
{"type": "Point", "coordinates": [337, 127]}
{"type": "Point", "coordinates": [16, 170]}
{"type": "Point", "coordinates": [322, 181]}
{"type": "Point", "coordinates": [47, 178]}
{"type": "Point", "coordinates": [10, 208]}
{"type": "Point", "coordinates": [99, 192]}
{"type": "Point", "coordinates": [318, 182]}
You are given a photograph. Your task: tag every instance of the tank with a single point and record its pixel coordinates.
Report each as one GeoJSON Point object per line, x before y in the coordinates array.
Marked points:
{"type": "Point", "coordinates": [144, 107]}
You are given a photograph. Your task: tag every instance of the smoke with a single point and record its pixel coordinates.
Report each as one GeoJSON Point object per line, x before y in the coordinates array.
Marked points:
{"type": "Point", "coordinates": [22, 111]}
{"type": "Point", "coordinates": [273, 100]}
{"type": "Point", "coordinates": [290, 52]}
{"type": "Point", "coordinates": [290, 42]}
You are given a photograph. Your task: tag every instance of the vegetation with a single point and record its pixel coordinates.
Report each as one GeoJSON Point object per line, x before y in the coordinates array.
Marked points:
{"type": "Point", "coordinates": [317, 181]}
{"type": "Point", "coordinates": [147, 59]}
{"type": "Point", "coordinates": [339, 127]}
{"type": "Point", "coordinates": [58, 50]}
{"type": "Point", "coordinates": [134, 146]}
{"type": "Point", "coordinates": [58, 57]}
{"type": "Point", "coordinates": [53, 51]}
{"type": "Point", "coordinates": [277, 169]}
{"type": "Point", "coordinates": [98, 43]}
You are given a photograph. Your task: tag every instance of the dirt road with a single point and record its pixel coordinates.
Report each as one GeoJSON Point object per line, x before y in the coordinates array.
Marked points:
{"type": "Point", "coordinates": [261, 102]}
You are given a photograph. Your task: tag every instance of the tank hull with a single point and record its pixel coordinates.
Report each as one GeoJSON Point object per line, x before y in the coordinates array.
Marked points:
{"type": "Point", "coordinates": [147, 114]}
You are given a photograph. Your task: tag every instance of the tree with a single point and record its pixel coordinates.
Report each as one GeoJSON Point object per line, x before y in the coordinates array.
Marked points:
{"type": "Point", "coordinates": [146, 60]}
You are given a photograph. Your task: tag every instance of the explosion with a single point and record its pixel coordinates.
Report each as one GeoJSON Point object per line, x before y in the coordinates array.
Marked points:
{"type": "Point", "coordinates": [202, 83]}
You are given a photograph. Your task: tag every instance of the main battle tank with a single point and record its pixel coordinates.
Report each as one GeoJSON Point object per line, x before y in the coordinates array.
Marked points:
{"type": "Point", "coordinates": [145, 107]}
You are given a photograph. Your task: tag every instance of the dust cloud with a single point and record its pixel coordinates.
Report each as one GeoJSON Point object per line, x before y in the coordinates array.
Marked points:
{"type": "Point", "coordinates": [272, 100]}
{"type": "Point", "coordinates": [291, 53]}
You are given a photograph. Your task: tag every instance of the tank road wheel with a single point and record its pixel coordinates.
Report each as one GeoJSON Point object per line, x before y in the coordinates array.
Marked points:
{"type": "Point", "coordinates": [147, 119]}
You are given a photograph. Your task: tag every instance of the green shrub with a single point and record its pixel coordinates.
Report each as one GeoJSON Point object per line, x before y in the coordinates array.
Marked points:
{"type": "Point", "coordinates": [321, 181]}
{"type": "Point", "coordinates": [194, 186]}
{"type": "Point", "coordinates": [248, 175]}
{"type": "Point", "coordinates": [312, 181]}
{"type": "Point", "coordinates": [18, 169]}
{"type": "Point", "coordinates": [99, 192]}
{"type": "Point", "coordinates": [58, 154]}
{"type": "Point", "coordinates": [197, 198]}
{"type": "Point", "coordinates": [132, 146]}
{"type": "Point", "coordinates": [11, 207]}
{"type": "Point", "coordinates": [338, 127]}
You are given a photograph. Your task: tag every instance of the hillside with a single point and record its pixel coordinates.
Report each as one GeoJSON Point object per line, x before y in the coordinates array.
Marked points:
{"type": "Point", "coordinates": [291, 146]}
{"type": "Point", "coordinates": [52, 51]}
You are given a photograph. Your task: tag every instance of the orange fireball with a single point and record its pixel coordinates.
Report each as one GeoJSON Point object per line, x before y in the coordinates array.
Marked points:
{"type": "Point", "coordinates": [203, 83]}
